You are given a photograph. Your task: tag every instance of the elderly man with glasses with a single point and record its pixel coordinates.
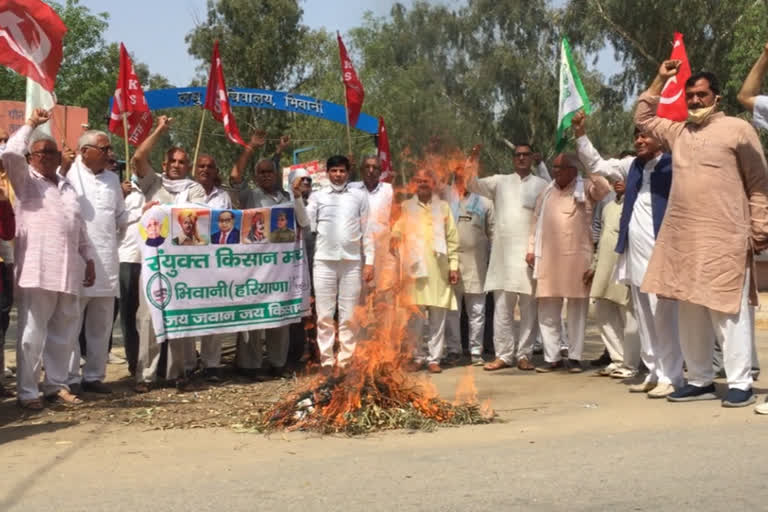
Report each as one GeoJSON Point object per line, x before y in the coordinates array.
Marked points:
{"type": "Point", "coordinates": [54, 261]}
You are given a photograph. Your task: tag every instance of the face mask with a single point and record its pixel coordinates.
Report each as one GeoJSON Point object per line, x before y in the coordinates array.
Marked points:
{"type": "Point", "coordinates": [699, 115]}
{"type": "Point", "coordinates": [338, 188]}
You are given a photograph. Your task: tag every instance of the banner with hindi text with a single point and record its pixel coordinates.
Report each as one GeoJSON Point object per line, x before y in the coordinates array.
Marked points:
{"type": "Point", "coordinates": [208, 271]}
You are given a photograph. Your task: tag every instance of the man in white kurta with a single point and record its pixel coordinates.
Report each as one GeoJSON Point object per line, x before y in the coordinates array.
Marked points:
{"type": "Point", "coordinates": [509, 277]}
{"type": "Point", "coordinates": [103, 210]}
{"type": "Point", "coordinates": [339, 215]}
{"type": "Point", "coordinates": [426, 241]}
{"type": "Point", "coordinates": [474, 218]}
{"type": "Point", "coordinates": [52, 254]}
{"type": "Point", "coordinates": [172, 187]}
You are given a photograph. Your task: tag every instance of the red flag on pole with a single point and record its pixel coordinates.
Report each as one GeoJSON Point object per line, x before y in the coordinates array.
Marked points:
{"type": "Point", "coordinates": [31, 36]}
{"type": "Point", "coordinates": [216, 99]}
{"type": "Point", "coordinates": [384, 160]}
{"type": "Point", "coordinates": [353, 85]}
{"type": "Point", "coordinates": [129, 99]}
{"type": "Point", "coordinates": [672, 104]}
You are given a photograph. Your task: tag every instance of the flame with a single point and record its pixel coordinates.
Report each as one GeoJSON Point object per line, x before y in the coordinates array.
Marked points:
{"type": "Point", "coordinates": [466, 391]}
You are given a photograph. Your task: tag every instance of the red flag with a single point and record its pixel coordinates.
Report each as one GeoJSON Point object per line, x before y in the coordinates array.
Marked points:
{"type": "Point", "coordinates": [672, 104]}
{"type": "Point", "coordinates": [216, 99]}
{"type": "Point", "coordinates": [129, 98]}
{"type": "Point", "coordinates": [31, 36]}
{"type": "Point", "coordinates": [384, 161]}
{"type": "Point", "coordinates": [353, 85]}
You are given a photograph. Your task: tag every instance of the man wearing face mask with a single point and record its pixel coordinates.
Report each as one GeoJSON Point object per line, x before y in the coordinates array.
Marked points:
{"type": "Point", "coordinates": [716, 220]}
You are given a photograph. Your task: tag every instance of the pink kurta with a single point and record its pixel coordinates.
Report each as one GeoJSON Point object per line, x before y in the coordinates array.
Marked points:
{"type": "Point", "coordinates": [718, 205]}
{"type": "Point", "coordinates": [566, 248]}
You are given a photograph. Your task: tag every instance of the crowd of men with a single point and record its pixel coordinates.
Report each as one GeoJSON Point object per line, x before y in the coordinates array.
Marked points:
{"type": "Point", "coordinates": [661, 240]}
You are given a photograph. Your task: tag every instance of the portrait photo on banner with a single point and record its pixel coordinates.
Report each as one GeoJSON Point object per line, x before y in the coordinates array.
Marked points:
{"type": "Point", "coordinates": [256, 226]}
{"type": "Point", "coordinates": [154, 228]}
{"type": "Point", "coordinates": [225, 226]}
{"type": "Point", "coordinates": [281, 226]}
{"type": "Point", "coordinates": [191, 226]}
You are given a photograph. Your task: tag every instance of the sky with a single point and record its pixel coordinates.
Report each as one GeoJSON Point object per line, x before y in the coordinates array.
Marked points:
{"type": "Point", "coordinates": [153, 30]}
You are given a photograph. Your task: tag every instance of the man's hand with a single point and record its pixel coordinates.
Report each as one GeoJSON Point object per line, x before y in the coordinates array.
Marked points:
{"type": "Point", "coordinates": [127, 188]}
{"type": "Point", "coordinates": [67, 157]}
{"type": "Point", "coordinates": [578, 122]}
{"type": "Point", "coordinates": [149, 205]}
{"type": "Point", "coordinates": [90, 274]}
{"type": "Point", "coordinates": [296, 187]}
{"type": "Point", "coordinates": [588, 276]}
{"type": "Point", "coordinates": [39, 116]}
{"type": "Point", "coordinates": [368, 273]}
{"type": "Point", "coordinates": [285, 141]}
{"type": "Point", "coordinates": [258, 139]}
{"type": "Point", "coordinates": [669, 68]}
{"type": "Point", "coordinates": [530, 259]}
{"type": "Point", "coordinates": [163, 124]}
{"type": "Point", "coordinates": [453, 276]}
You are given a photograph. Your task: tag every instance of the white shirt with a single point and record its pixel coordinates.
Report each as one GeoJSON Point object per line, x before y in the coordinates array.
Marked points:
{"type": "Point", "coordinates": [634, 261]}
{"type": "Point", "coordinates": [103, 210]}
{"type": "Point", "coordinates": [218, 199]}
{"type": "Point", "coordinates": [379, 205]}
{"type": "Point", "coordinates": [129, 250]}
{"type": "Point", "coordinates": [340, 220]}
{"type": "Point", "coordinates": [760, 112]}
{"type": "Point", "coordinates": [614, 168]}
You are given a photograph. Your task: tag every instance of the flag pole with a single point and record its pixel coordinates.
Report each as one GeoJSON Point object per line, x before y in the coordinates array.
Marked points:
{"type": "Point", "coordinates": [346, 113]}
{"type": "Point", "coordinates": [199, 136]}
{"type": "Point", "coordinates": [125, 137]}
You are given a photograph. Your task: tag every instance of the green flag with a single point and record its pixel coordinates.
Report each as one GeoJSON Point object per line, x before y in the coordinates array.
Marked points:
{"type": "Point", "coordinates": [573, 97]}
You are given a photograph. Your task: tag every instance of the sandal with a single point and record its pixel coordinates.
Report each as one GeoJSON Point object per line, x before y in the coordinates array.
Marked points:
{"type": "Point", "coordinates": [65, 397]}
{"type": "Point", "coordinates": [34, 404]}
{"type": "Point", "coordinates": [142, 387]}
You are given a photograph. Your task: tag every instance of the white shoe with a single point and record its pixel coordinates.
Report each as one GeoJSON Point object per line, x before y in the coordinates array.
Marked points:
{"type": "Point", "coordinates": [643, 387]}
{"type": "Point", "coordinates": [608, 370]}
{"type": "Point", "coordinates": [662, 390]}
{"type": "Point", "coordinates": [762, 408]}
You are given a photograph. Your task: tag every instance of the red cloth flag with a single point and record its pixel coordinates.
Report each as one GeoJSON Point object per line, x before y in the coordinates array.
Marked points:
{"type": "Point", "coordinates": [217, 101]}
{"type": "Point", "coordinates": [129, 98]}
{"type": "Point", "coordinates": [672, 104]}
{"type": "Point", "coordinates": [353, 85]}
{"type": "Point", "coordinates": [31, 36]}
{"type": "Point", "coordinates": [384, 160]}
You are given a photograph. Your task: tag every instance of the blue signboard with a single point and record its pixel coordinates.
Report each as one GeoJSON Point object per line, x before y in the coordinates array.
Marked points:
{"type": "Point", "coordinates": [260, 98]}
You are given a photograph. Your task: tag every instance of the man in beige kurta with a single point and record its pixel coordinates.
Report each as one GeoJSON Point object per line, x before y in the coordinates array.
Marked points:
{"type": "Point", "coordinates": [716, 218]}
{"type": "Point", "coordinates": [425, 240]}
{"type": "Point", "coordinates": [560, 251]}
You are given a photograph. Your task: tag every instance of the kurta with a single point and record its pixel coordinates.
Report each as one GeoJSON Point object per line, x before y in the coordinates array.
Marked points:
{"type": "Point", "coordinates": [603, 284]}
{"type": "Point", "coordinates": [718, 205]}
{"type": "Point", "coordinates": [474, 218]}
{"type": "Point", "coordinates": [152, 187]}
{"type": "Point", "coordinates": [513, 200]}
{"type": "Point", "coordinates": [566, 238]}
{"type": "Point", "coordinates": [434, 289]}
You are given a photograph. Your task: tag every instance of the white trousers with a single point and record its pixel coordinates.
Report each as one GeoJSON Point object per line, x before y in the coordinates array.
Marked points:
{"type": "Point", "coordinates": [550, 325]}
{"type": "Point", "coordinates": [210, 351]}
{"type": "Point", "coordinates": [618, 331]}
{"type": "Point", "coordinates": [48, 325]}
{"type": "Point", "coordinates": [435, 318]}
{"type": "Point", "coordinates": [507, 342]}
{"type": "Point", "coordinates": [657, 321]}
{"type": "Point", "coordinates": [250, 347]}
{"type": "Point", "coordinates": [337, 283]}
{"type": "Point", "coordinates": [181, 355]}
{"type": "Point", "coordinates": [734, 332]}
{"type": "Point", "coordinates": [474, 303]}
{"type": "Point", "coordinates": [98, 314]}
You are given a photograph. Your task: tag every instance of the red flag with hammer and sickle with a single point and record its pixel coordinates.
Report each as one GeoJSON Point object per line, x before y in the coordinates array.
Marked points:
{"type": "Point", "coordinates": [672, 104]}
{"type": "Point", "coordinates": [217, 101]}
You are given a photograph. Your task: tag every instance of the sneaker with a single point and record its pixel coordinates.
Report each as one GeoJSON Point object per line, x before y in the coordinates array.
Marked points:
{"type": "Point", "coordinates": [643, 387]}
{"type": "Point", "coordinates": [738, 398]}
{"type": "Point", "coordinates": [623, 373]}
{"type": "Point", "coordinates": [478, 361]}
{"type": "Point", "coordinates": [549, 367]}
{"type": "Point", "coordinates": [96, 386]}
{"type": "Point", "coordinates": [608, 370]}
{"type": "Point", "coordinates": [574, 366]}
{"type": "Point", "coordinates": [564, 352]}
{"type": "Point", "coordinates": [662, 390]}
{"type": "Point", "coordinates": [538, 350]}
{"type": "Point", "coordinates": [762, 408]}
{"type": "Point", "coordinates": [690, 393]}
{"type": "Point", "coordinates": [116, 359]}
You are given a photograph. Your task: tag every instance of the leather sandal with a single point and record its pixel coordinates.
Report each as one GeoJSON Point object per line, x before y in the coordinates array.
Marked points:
{"type": "Point", "coordinates": [34, 404]}
{"type": "Point", "coordinates": [497, 364]}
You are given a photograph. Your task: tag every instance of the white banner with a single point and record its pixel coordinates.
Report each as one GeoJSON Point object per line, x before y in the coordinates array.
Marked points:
{"type": "Point", "coordinates": [210, 271]}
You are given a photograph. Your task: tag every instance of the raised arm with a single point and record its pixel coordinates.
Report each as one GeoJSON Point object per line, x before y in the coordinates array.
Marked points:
{"type": "Point", "coordinates": [751, 88]}
{"type": "Point", "coordinates": [590, 157]}
{"type": "Point", "coordinates": [645, 114]}
{"type": "Point", "coordinates": [14, 161]}
{"type": "Point", "coordinates": [237, 175]}
{"type": "Point", "coordinates": [140, 159]}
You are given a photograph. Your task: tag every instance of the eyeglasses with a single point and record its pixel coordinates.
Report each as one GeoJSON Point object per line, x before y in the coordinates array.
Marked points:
{"type": "Point", "coordinates": [226, 219]}
{"type": "Point", "coordinates": [46, 152]}
{"type": "Point", "coordinates": [103, 149]}
{"type": "Point", "coordinates": [523, 155]}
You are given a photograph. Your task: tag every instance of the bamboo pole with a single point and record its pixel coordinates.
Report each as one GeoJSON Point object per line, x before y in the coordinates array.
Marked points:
{"type": "Point", "coordinates": [199, 137]}
{"type": "Point", "coordinates": [127, 148]}
{"type": "Point", "coordinates": [346, 113]}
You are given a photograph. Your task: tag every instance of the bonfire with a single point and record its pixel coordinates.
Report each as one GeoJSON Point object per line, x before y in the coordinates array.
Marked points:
{"type": "Point", "coordinates": [376, 390]}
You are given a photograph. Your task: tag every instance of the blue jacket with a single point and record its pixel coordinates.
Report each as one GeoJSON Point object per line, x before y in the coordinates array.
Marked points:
{"type": "Point", "coordinates": [661, 182]}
